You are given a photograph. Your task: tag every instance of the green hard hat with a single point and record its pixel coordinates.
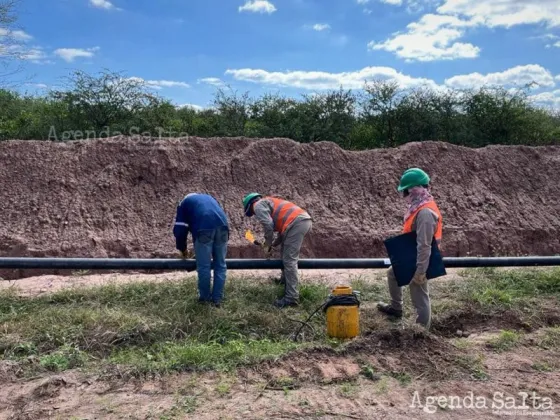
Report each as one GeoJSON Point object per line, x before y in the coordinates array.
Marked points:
{"type": "Point", "coordinates": [248, 200]}
{"type": "Point", "coordinates": [413, 177]}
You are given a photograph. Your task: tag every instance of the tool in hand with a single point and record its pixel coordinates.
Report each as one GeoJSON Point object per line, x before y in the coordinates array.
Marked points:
{"type": "Point", "coordinates": [251, 238]}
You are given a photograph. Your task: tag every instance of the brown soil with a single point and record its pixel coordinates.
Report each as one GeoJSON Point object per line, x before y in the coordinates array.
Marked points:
{"type": "Point", "coordinates": [117, 197]}
{"type": "Point", "coordinates": [305, 385]}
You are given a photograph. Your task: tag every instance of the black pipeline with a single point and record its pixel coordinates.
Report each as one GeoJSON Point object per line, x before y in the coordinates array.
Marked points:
{"type": "Point", "coordinates": [259, 264]}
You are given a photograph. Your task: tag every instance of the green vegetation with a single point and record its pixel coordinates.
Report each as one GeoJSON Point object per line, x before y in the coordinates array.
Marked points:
{"type": "Point", "coordinates": [403, 378]}
{"type": "Point", "coordinates": [380, 115]}
{"type": "Point", "coordinates": [474, 364]}
{"type": "Point", "coordinates": [152, 328]}
{"type": "Point", "coordinates": [543, 366]}
{"type": "Point", "coordinates": [491, 290]}
{"type": "Point", "coordinates": [551, 339]}
{"type": "Point", "coordinates": [349, 390]}
{"type": "Point", "coordinates": [507, 340]}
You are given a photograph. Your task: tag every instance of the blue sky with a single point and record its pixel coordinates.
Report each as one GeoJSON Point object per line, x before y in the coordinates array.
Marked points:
{"type": "Point", "coordinates": [185, 48]}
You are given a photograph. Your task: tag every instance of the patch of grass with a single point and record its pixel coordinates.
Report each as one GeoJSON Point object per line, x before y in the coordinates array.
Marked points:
{"type": "Point", "coordinates": [507, 340]}
{"type": "Point", "coordinates": [490, 287]}
{"type": "Point", "coordinates": [404, 378]}
{"type": "Point", "coordinates": [382, 386]}
{"type": "Point", "coordinates": [475, 365]}
{"type": "Point", "coordinates": [551, 339]}
{"type": "Point", "coordinates": [369, 290]}
{"type": "Point", "coordinates": [63, 359]}
{"type": "Point", "coordinates": [156, 327]}
{"type": "Point", "coordinates": [183, 405]}
{"type": "Point", "coordinates": [304, 403]}
{"type": "Point", "coordinates": [224, 387]}
{"type": "Point", "coordinates": [542, 367]}
{"type": "Point", "coordinates": [369, 372]}
{"type": "Point", "coordinates": [188, 354]}
{"type": "Point", "coordinates": [462, 343]}
{"type": "Point", "coordinates": [283, 382]}
{"type": "Point", "coordinates": [312, 295]}
{"type": "Point", "coordinates": [348, 390]}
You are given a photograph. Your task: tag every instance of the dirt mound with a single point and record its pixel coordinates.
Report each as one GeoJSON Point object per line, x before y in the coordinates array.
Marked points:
{"type": "Point", "coordinates": [389, 351]}
{"type": "Point", "coordinates": [117, 197]}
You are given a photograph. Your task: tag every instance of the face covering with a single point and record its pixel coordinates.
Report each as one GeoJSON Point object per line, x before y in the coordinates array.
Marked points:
{"type": "Point", "coordinates": [417, 197]}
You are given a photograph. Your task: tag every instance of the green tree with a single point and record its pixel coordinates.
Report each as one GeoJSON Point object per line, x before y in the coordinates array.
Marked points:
{"type": "Point", "coordinates": [105, 101]}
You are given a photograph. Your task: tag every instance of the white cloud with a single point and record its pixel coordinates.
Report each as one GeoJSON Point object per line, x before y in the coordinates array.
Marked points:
{"type": "Point", "coordinates": [38, 85]}
{"type": "Point", "coordinates": [362, 1]}
{"type": "Point", "coordinates": [214, 81]}
{"type": "Point", "coordinates": [556, 44]}
{"type": "Point", "coordinates": [33, 54]}
{"type": "Point", "coordinates": [193, 106]}
{"type": "Point", "coordinates": [15, 35]}
{"type": "Point", "coordinates": [506, 13]}
{"type": "Point", "coordinates": [368, 11]}
{"type": "Point", "coordinates": [515, 76]}
{"type": "Point", "coordinates": [323, 80]}
{"type": "Point", "coordinates": [160, 84]}
{"type": "Point", "coordinates": [392, 2]}
{"type": "Point", "coordinates": [258, 6]}
{"type": "Point", "coordinates": [551, 98]}
{"type": "Point", "coordinates": [102, 4]}
{"type": "Point", "coordinates": [321, 27]}
{"type": "Point", "coordinates": [70, 54]}
{"type": "Point", "coordinates": [437, 36]}
{"type": "Point", "coordinates": [431, 38]}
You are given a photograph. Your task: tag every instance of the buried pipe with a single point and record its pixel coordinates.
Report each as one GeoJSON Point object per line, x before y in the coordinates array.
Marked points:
{"type": "Point", "coordinates": [260, 264]}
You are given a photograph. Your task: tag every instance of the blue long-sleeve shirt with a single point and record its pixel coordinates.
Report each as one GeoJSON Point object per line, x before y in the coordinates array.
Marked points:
{"type": "Point", "coordinates": [196, 212]}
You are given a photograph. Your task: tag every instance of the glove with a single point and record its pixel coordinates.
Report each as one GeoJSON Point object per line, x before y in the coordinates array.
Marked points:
{"type": "Point", "coordinates": [267, 250]}
{"type": "Point", "coordinates": [186, 254]}
{"type": "Point", "coordinates": [419, 279]}
{"type": "Point", "coordinates": [277, 241]}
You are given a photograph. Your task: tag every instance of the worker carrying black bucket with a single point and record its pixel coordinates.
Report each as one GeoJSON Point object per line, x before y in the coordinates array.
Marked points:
{"type": "Point", "coordinates": [424, 223]}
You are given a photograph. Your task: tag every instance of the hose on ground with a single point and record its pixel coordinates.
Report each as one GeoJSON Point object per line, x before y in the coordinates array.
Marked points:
{"type": "Point", "coordinates": [342, 300]}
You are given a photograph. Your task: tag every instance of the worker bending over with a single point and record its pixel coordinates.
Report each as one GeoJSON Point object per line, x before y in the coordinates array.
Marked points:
{"type": "Point", "coordinates": [424, 218]}
{"type": "Point", "coordinates": [204, 218]}
{"type": "Point", "coordinates": [292, 224]}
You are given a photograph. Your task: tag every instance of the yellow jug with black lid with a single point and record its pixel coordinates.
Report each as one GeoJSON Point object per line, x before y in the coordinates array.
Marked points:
{"type": "Point", "coordinates": [343, 313]}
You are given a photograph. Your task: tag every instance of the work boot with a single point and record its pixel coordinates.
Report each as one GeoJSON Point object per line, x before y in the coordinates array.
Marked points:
{"type": "Point", "coordinates": [389, 310]}
{"type": "Point", "coordinates": [282, 303]}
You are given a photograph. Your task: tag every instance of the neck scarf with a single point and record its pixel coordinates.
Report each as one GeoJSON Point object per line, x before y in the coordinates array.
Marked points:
{"type": "Point", "coordinates": [418, 196]}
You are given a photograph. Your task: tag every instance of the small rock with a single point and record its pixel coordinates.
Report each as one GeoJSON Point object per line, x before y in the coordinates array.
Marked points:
{"type": "Point", "coordinates": [459, 333]}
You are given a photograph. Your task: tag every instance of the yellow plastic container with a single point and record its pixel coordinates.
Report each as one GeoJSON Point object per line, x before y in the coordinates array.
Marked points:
{"type": "Point", "coordinates": [343, 321]}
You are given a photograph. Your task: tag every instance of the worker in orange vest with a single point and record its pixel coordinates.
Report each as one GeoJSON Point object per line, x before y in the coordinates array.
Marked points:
{"type": "Point", "coordinates": [291, 223]}
{"type": "Point", "coordinates": [424, 218]}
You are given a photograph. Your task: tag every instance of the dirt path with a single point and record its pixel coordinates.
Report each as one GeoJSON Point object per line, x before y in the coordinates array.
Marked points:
{"type": "Point", "coordinates": [35, 286]}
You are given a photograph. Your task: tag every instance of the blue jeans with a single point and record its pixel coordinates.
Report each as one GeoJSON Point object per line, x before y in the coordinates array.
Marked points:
{"type": "Point", "coordinates": [211, 244]}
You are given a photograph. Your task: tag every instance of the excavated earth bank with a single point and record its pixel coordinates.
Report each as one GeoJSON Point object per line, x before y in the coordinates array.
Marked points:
{"type": "Point", "coordinates": [117, 197]}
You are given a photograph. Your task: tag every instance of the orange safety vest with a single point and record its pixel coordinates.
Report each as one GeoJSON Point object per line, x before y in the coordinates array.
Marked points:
{"type": "Point", "coordinates": [283, 213]}
{"type": "Point", "coordinates": [432, 206]}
